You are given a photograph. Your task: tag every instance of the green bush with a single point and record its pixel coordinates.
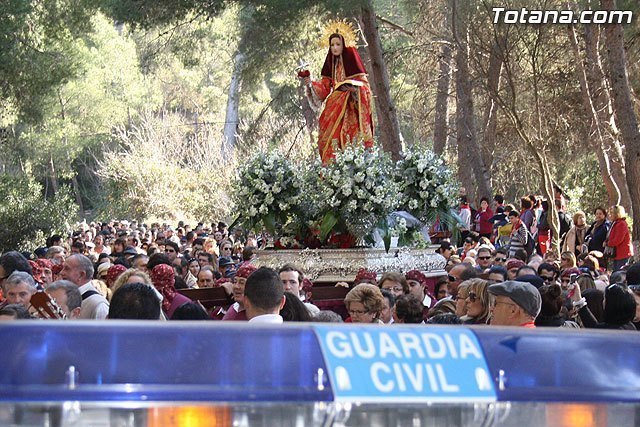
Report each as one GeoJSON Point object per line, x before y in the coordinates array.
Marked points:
{"type": "Point", "coordinates": [27, 218]}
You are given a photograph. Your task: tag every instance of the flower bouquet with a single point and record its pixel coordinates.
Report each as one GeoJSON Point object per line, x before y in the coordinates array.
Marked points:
{"type": "Point", "coordinates": [426, 184]}
{"type": "Point", "coordinates": [267, 192]}
{"type": "Point", "coordinates": [354, 192]}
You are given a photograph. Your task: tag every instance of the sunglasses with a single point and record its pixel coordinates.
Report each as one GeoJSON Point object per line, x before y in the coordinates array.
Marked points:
{"type": "Point", "coordinates": [501, 259]}
{"type": "Point", "coordinates": [484, 257]}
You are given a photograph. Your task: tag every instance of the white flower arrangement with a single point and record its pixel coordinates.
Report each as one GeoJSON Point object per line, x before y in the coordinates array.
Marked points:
{"type": "Point", "coordinates": [266, 191]}
{"type": "Point", "coordinates": [356, 190]}
{"type": "Point", "coordinates": [426, 183]}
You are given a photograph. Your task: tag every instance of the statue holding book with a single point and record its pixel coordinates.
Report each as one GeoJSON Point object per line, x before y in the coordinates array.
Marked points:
{"type": "Point", "coordinates": [344, 89]}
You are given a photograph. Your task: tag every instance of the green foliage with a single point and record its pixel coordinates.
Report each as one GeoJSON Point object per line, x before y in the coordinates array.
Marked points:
{"type": "Point", "coordinates": [37, 52]}
{"type": "Point", "coordinates": [26, 219]}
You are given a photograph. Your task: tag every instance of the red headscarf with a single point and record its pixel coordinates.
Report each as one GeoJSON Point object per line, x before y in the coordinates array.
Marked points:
{"type": "Point", "coordinates": [36, 271]}
{"type": "Point", "coordinates": [417, 276]}
{"type": "Point", "coordinates": [245, 270]}
{"type": "Point", "coordinates": [350, 60]}
{"type": "Point", "coordinates": [44, 263]}
{"type": "Point", "coordinates": [164, 279]}
{"type": "Point", "coordinates": [365, 275]}
{"type": "Point", "coordinates": [114, 272]}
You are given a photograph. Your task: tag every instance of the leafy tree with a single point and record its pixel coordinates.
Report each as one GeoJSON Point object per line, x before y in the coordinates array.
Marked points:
{"type": "Point", "coordinates": [26, 219]}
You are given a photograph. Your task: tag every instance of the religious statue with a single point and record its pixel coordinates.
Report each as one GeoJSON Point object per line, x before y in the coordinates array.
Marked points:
{"type": "Point", "coordinates": [346, 117]}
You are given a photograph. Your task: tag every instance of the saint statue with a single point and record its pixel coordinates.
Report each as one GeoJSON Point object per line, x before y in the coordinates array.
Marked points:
{"type": "Point", "coordinates": [344, 88]}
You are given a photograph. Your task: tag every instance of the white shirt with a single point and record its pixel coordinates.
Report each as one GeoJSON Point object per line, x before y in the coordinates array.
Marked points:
{"type": "Point", "coordinates": [94, 307]}
{"type": "Point", "coordinates": [267, 319]}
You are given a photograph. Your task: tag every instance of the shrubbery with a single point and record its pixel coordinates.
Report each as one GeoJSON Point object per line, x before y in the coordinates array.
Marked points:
{"type": "Point", "coordinates": [26, 218]}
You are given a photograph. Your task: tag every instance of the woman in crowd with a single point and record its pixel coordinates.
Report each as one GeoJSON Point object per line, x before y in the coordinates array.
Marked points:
{"type": "Point", "coordinates": [364, 303]}
{"type": "Point", "coordinates": [619, 309]}
{"type": "Point", "coordinates": [163, 278]}
{"type": "Point", "coordinates": [408, 309]}
{"type": "Point", "coordinates": [394, 282]}
{"type": "Point", "coordinates": [575, 237]}
{"type": "Point", "coordinates": [551, 313]}
{"type": "Point", "coordinates": [597, 232]}
{"type": "Point", "coordinates": [476, 302]}
{"type": "Point", "coordinates": [484, 225]}
{"type": "Point", "coordinates": [618, 244]}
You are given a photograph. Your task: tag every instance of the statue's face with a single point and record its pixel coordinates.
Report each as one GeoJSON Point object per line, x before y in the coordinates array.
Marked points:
{"type": "Point", "coordinates": [336, 46]}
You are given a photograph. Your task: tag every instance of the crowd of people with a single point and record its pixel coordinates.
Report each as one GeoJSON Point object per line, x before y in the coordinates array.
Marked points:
{"type": "Point", "coordinates": [502, 273]}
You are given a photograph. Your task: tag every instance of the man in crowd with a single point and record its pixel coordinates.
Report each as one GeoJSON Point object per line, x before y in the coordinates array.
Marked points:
{"type": "Point", "coordinates": [135, 301]}
{"type": "Point", "coordinates": [171, 249]}
{"type": "Point", "coordinates": [79, 270]}
{"type": "Point", "coordinates": [515, 304]}
{"type": "Point", "coordinates": [484, 258]}
{"type": "Point", "coordinates": [67, 296]}
{"type": "Point", "coordinates": [292, 278]}
{"type": "Point", "coordinates": [18, 288]}
{"type": "Point", "coordinates": [264, 296]}
{"type": "Point", "coordinates": [458, 274]}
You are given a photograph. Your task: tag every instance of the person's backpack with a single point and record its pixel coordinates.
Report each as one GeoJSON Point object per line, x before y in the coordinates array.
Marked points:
{"type": "Point", "coordinates": [530, 246]}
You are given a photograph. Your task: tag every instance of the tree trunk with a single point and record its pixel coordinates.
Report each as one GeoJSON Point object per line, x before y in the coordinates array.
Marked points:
{"type": "Point", "coordinates": [442, 100]}
{"type": "Point", "coordinates": [602, 102]}
{"type": "Point", "coordinates": [467, 140]}
{"type": "Point", "coordinates": [310, 117]}
{"type": "Point", "coordinates": [232, 120]}
{"type": "Point", "coordinates": [385, 108]}
{"type": "Point", "coordinates": [490, 119]}
{"type": "Point", "coordinates": [53, 176]}
{"type": "Point", "coordinates": [625, 114]}
{"type": "Point", "coordinates": [595, 133]}
{"type": "Point", "coordinates": [76, 191]}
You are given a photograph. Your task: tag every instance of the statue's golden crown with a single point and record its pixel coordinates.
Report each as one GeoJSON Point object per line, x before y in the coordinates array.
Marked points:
{"type": "Point", "coordinates": [342, 27]}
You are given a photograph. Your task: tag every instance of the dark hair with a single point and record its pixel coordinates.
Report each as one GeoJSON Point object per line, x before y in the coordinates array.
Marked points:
{"type": "Point", "coordinates": [545, 205]}
{"type": "Point", "coordinates": [157, 259]}
{"type": "Point", "coordinates": [474, 236]}
{"type": "Point", "coordinates": [190, 311]}
{"type": "Point", "coordinates": [135, 301]}
{"type": "Point", "coordinates": [521, 254]}
{"type": "Point", "coordinates": [78, 244]}
{"type": "Point", "coordinates": [190, 235]}
{"type": "Point", "coordinates": [552, 300]}
{"type": "Point", "coordinates": [498, 198]}
{"type": "Point", "coordinates": [248, 252]}
{"type": "Point", "coordinates": [294, 310]}
{"type": "Point", "coordinates": [173, 244]}
{"type": "Point", "coordinates": [600, 208]}
{"type": "Point", "coordinates": [293, 267]}
{"type": "Point", "coordinates": [498, 269]}
{"type": "Point", "coordinates": [120, 241]}
{"type": "Point", "coordinates": [18, 311]}
{"type": "Point", "coordinates": [463, 199]}
{"type": "Point", "coordinates": [484, 199]}
{"type": "Point", "coordinates": [445, 319]}
{"type": "Point", "coordinates": [526, 203]}
{"type": "Point", "coordinates": [264, 289]}
{"type": "Point", "coordinates": [595, 298]}
{"type": "Point", "coordinates": [390, 297]}
{"type": "Point", "coordinates": [633, 274]}
{"type": "Point", "coordinates": [620, 305]}
{"type": "Point", "coordinates": [336, 35]}
{"type": "Point", "coordinates": [207, 254]}
{"type": "Point", "coordinates": [123, 261]}
{"type": "Point", "coordinates": [502, 251]}
{"type": "Point", "coordinates": [180, 283]}
{"type": "Point", "coordinates": [14, 261]}
{"type": "Point", "coordinates": [409, 308]}
{"type": "Point", "coordinates": [438, 285]}
{"type": "Point", "coordinates": [514, 213]}
{"type": "Point", "coordinates": [549, 267]}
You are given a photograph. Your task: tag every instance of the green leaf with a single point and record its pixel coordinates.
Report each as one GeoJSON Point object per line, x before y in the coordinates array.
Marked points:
{"type": "Point", "coordinates": [328, 222]}
{"type": "Point", "coordinates": [387, 241]}
{"type": "Point", "coordinates": [270, 223]}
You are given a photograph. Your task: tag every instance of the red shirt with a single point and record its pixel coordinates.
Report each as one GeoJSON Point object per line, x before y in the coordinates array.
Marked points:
{"type": "Point", "coordinates": [620, 239]}
{"type": "Point", "coordinates": [529, 325]}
